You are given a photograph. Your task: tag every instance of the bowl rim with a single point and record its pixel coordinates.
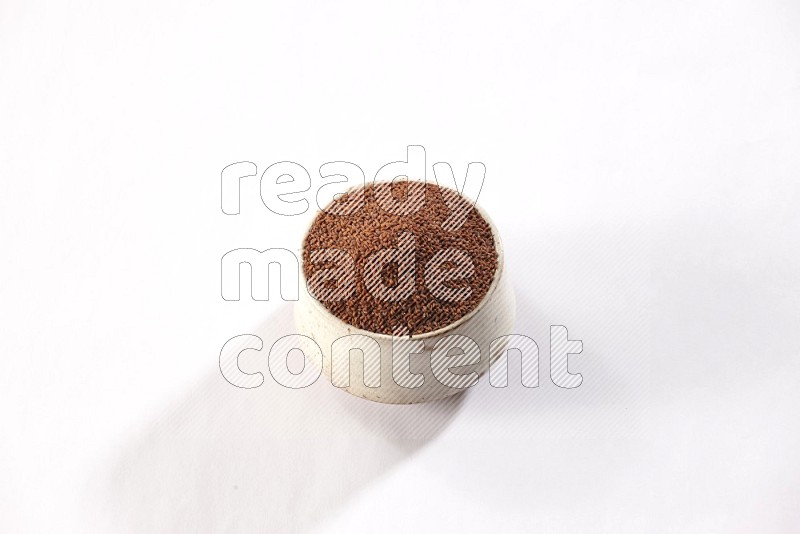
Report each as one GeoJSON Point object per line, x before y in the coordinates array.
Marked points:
{"type": "Point", "coordinates": [498, 273]}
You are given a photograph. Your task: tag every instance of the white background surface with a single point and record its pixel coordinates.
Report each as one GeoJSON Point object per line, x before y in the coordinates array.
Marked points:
{"type": "Point", "coordinates": [642, 162]}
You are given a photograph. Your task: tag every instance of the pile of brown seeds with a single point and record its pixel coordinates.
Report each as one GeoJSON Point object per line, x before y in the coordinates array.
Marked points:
{"type": "Point", "coordinates": [363, 232]}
